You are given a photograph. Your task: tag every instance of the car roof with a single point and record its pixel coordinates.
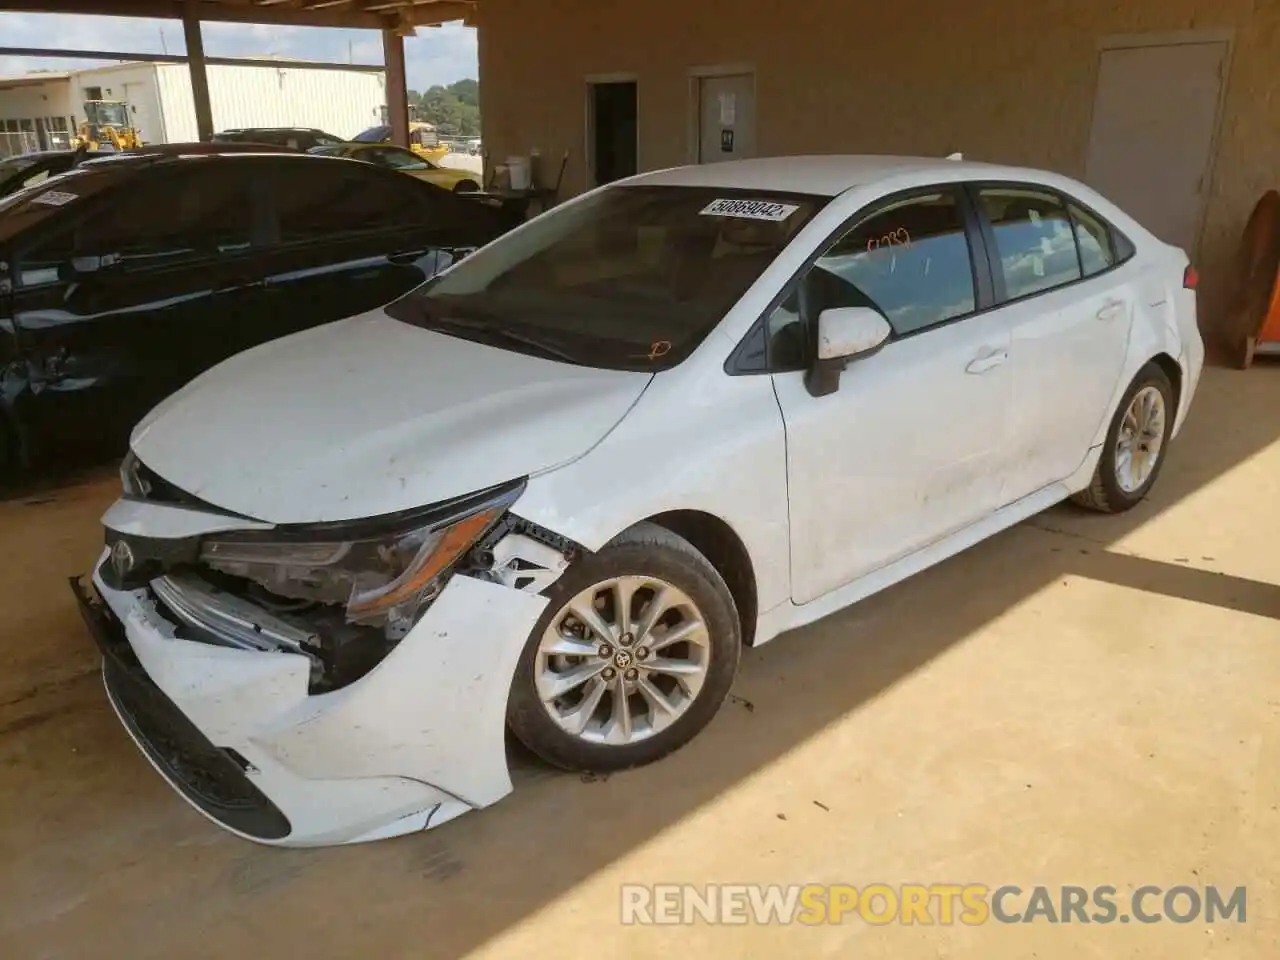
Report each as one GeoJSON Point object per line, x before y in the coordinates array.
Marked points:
{"type": "Point", "coordinates": [272, 130]}
{"type": "Point", "coordinates": [177, 151]}
{"type": "Point", "coordinates": [38, 155]}
{"type": "Point", "coordinates": [826, 175]}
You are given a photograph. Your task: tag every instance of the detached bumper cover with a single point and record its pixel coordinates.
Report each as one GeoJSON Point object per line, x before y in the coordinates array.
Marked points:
{"type": "Point", "coordinates": [416, 742]}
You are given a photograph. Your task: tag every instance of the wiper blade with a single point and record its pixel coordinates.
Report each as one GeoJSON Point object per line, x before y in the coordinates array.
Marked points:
{"type": "Point", "coordinates": [446, 317]}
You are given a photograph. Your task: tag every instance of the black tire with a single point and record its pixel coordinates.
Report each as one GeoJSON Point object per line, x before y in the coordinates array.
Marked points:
{"type": "Point", "coordinates": [644, 550]}
{"type": "Point", "coordinates": [1104, 493]}
{"type": "Point", "coordinates": [466, 186]}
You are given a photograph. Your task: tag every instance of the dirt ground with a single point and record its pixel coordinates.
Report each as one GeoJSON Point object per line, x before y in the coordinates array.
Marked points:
{"type": "Point", "coordinates": [1082, 700]}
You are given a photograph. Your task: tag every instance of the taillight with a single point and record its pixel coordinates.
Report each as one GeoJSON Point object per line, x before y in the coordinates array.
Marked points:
{"type": "Point", "coordinates": [1190, 277]}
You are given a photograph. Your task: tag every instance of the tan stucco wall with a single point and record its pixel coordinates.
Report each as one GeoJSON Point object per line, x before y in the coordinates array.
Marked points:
{"type": "Point", "coordinates": [1000, 80]}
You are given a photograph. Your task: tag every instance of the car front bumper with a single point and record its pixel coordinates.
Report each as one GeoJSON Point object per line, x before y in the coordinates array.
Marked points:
{"type": "Point", "coordinates": [417, 741]}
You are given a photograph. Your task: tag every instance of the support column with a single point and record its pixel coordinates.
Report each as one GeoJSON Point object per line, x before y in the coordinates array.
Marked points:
{"type": "Point", "coordinates": [195, 61]}
{"type": "Point", "coordinates": [397, 89]}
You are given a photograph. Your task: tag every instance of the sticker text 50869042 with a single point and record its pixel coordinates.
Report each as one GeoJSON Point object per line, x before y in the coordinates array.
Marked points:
{"type": "Point", "coordinates": [54, 198]}
{"type": "Point", "coordinates": [749, 209]}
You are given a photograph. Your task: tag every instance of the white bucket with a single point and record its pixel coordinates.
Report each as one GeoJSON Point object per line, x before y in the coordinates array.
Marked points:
{"type": "Point", "coordinates": [518, 171]}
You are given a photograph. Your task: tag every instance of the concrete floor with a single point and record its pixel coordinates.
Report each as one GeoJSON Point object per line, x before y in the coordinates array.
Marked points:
{"type": "Point", "coordinates": [1082, 700]}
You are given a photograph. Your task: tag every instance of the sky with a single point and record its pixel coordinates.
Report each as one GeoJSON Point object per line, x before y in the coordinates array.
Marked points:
{"type": "Point", "coordinates": [436, 55]}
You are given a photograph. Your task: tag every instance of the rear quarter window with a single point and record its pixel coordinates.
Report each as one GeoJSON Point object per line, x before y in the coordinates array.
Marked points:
{"type": "Point", "coordinates": [1102, 245]}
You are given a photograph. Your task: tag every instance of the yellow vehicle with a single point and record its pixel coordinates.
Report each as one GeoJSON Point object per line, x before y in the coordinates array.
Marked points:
{"type": "Point", "coordinates": [423, 139]}
{"type": "Point", "coordinates": [404, 161]}
{"type": "Point", "coordinates": [107, 123]}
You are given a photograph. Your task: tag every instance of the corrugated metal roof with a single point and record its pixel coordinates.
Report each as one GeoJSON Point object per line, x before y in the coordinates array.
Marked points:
{"type": "Point", "coordinates": [33, 79]}
{"type": "Point", "coordinates": [369, 14]}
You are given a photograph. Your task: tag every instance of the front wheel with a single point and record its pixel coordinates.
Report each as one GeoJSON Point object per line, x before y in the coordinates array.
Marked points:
{"type": "Point", "coordinates": [466, 186]}
{"type": "Point", "coordinates": [632, 657]}
{"type": "Point", "coordinates": [1135, 446]}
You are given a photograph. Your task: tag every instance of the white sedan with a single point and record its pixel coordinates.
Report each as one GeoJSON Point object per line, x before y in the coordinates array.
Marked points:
{"type": "Point", "coordinates": [556, 490]}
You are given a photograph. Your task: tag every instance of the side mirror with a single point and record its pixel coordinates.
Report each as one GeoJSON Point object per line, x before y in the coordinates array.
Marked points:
{"type": "Point", "coordinates": [844, 334]}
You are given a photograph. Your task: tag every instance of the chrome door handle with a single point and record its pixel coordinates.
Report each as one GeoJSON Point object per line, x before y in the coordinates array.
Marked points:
{"type": "Point", "coordinates": [988, 362]}
{"type": "Point", "coordinates": [1112, 310]}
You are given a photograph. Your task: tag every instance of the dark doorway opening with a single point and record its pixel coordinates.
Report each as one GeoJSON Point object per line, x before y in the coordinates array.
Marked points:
{"type": "Point", "coordinates": [613, 131]}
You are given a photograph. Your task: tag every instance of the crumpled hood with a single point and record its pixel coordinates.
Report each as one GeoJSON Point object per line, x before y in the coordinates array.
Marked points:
{"type": "Point", "coordinates": [370, 416]}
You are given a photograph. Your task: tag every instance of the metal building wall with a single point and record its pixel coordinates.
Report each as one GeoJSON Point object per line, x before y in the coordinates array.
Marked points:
{"type": "Point", "coordinates": [23, 108]}
{"type": "Point", "coordinates": [341, 102]}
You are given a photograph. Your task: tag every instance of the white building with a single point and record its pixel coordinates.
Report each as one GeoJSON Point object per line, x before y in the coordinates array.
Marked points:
{"type": "Point", "coordinates": [40, 110]}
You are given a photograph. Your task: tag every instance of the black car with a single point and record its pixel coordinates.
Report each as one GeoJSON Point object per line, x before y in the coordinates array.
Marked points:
{"type": "Point", "coordinates": [297, 138]}
{"type": "Point", "coordinates": [124, 278]}
{"type": "Point", "coordinates": [31, 168]}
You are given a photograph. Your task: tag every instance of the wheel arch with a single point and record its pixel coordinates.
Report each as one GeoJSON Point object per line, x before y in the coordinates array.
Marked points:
{"type": "Point", "coordinates": [1173, 370]}
{"type": "Point", "coordinates": [724, 549]}
{"type": "Point", "coordinates": [1153, 351]}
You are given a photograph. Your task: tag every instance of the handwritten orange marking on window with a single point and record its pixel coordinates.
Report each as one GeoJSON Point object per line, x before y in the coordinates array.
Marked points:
{"type": "Point", "coordinates": [659, 348]}
{"type": "Point", "coordinates": [894, 238]}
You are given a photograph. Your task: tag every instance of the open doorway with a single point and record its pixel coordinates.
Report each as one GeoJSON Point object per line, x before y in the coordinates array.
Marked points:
{"type": "Point", "coordinates": [612, 130]}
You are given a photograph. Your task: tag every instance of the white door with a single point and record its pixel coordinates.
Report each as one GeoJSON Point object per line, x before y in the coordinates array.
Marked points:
{"type": "Point", "coordinates": [1068, 315]}
{"type": "Point", "coordinates": [726, 118]}
{"type": "Point", "coordinates": [908, 449]}
{"type": "Point", "coordinates": [1154, 117]}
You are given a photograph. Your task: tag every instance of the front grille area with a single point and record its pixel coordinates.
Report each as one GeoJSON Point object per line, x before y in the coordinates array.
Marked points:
{"type": "Point", "coordinates": [211, 778]}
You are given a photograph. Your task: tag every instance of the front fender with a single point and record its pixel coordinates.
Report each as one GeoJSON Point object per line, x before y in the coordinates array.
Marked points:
{"type": "Point", "coordinates": [717, 447]}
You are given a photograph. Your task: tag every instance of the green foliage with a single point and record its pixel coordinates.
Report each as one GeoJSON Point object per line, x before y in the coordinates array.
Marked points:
{"type": "Point", "coordinates": [455, 109]}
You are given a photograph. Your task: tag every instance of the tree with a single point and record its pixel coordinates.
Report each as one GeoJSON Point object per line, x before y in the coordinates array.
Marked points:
{"type": "Point", "coordinates": [467, 91]}
{"type": "Point", "coordinates": [455, 109]}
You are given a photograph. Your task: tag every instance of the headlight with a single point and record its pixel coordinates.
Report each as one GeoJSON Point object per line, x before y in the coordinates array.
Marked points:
{"type": "Point", "coordinates": [131, 479]}
{"type": "Point", "coordinates": [381, 578]}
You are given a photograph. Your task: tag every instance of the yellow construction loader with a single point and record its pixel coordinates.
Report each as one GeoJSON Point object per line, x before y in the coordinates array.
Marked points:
{"type": "Point", "coordinates": [107, 125]}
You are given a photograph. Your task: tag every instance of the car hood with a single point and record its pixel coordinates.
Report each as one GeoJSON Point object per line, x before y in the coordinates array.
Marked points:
{"type": "Point", "coordinates": [369, 416]}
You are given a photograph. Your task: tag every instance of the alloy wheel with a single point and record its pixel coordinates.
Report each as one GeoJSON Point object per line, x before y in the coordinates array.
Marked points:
{"type": "Point", "coordinates": [1140, 440]}
{"type": "Point", "coordinates": [622, 660]}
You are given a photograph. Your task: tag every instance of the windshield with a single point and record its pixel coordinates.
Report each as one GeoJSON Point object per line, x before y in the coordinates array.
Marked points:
{"type": "Point", "coordinates": [31, 204]}
{"type": "Point", "coordinates": [373, 135]}
{"type": "Point", "coordinates": [397, 159]}
{"type": "Point", "coordinates": [631, 278]}
{"type": "Point", "coordinates": [15, 165]}
{"type": "Point", "coordinates": [110, 114]}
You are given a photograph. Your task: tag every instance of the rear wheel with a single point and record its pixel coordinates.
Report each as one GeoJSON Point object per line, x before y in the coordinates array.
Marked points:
{"type": "Point", "coordinates": [633, 656]}
{"type": "Point", "coordinates": [1135, 446]}
{"type": "Point", "coordinates": [466, 186]}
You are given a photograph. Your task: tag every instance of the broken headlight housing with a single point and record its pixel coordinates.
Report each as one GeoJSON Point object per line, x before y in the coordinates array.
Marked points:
{"type": "Point", "coordinates": [382, 573]}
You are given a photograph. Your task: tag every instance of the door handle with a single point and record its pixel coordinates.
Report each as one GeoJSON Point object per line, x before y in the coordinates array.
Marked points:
{"type": "Point", "coordinates": [987, 362]}
{"type": "Point", "coordinates": [1112, 310]}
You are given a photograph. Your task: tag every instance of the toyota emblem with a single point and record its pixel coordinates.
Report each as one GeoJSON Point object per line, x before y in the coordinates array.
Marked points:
{"type": "Point", "coordinates": [121, 558]}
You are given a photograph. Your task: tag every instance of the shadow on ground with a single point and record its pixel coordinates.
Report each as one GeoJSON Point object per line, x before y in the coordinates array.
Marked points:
{"type": "Point", "coordinates": [116, 865]}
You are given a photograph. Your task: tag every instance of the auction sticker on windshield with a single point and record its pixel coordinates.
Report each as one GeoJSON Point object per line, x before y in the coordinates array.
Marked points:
{"type": "Point", "coordinates": [55, 198]}
{"type": "Point", "coordinates": [749, 209]}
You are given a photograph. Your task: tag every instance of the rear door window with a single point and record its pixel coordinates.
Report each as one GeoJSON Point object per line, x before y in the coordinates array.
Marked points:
{"type": "Point", "coordinates": [1035, 243]}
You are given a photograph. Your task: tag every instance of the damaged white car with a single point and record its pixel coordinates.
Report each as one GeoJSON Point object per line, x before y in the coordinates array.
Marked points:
{"type": "Point", "coordinates": [556, 490]}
